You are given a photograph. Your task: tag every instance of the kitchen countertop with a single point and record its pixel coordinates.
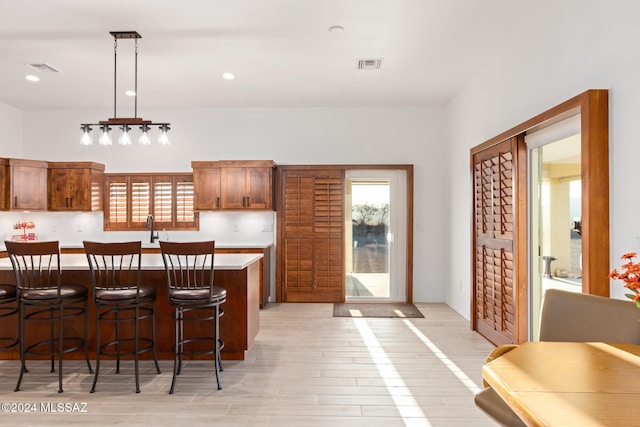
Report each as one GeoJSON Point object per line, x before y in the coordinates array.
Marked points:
{"type": "Point", "coordinates": [152, 261]}
{"type": "Point", "coordinates": [147, 245]}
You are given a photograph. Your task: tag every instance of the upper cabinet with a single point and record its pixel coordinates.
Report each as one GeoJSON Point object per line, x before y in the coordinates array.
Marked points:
{"type": "Point", "coordinates": [233, 185]}
{"type": "Point", "coordinates": [24, 184]}
{"type": "Point", "coordinates": [206, 186]}
{"type": "Point", "coordinates": [75, 186]}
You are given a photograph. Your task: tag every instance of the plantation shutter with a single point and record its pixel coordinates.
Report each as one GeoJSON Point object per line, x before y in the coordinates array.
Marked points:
{"type": "Point", "coordinates": [118, 201]}
{"type": "Point", "coordinates": [494, 295]}
{"type": "Point", "coordinates": [184, 201]}
{"type": "Point", "coordinates": [131, 199]}
{"type": "Point", "coordinates": [313, 236]}
{"type": "Point", "coordinates": [162, 201]}
{"type": "Point", "coordinates": [140, 200]}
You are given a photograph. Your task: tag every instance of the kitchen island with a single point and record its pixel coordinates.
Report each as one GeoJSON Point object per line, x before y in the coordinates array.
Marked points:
{"type": "Point", "coordinates": [238, 273]}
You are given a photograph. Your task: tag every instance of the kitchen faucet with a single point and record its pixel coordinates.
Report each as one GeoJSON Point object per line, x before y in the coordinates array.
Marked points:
{"type": "Point", "coordinates": [150, 224]}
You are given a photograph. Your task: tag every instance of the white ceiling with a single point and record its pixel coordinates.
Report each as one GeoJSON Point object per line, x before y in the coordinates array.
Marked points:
{"type": "Point", "coordinates": [280, 51]}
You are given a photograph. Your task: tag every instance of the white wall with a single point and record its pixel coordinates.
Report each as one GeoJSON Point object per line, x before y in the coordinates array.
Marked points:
{"type": "Point", "coordinates": [288, 136]}
{"type": "Point", "coordinates": [577, 46]}
{"type": "Point", "coordinates": [11, 131]}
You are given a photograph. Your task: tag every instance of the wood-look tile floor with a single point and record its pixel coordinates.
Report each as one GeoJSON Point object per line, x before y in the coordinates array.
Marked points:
{"type": "Point", "coordinates": [306, 368]}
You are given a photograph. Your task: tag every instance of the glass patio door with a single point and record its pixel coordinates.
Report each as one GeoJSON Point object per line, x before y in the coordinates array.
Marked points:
{"type": "Point", "coordinates": [375, 237]}
{"type": "Point", "coordinates": [555, 213]}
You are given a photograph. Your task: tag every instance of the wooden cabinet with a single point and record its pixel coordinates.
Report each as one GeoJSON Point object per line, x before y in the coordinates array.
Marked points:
{"type": "Point", "coordinates": [24, 184]}
{"type": "Point", "coordinates": [75, 186]}
{"type": "Point", "coordinates": [233, 185]}
{"type": "Point", "coordinates": [206, 186]}
{"type": "Point", "coordinates": [265, 268]}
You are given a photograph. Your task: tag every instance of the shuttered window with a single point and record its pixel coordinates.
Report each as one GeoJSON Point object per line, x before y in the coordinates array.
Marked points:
{"type": "Point", "coordinates": [162, 200]}
{"type": "Point", "coordinates": [184, 201]}
{"type": "Point", "coordinates": [117, 193]}
{"type": "Point", "coordinates": [140, 201]}
{"type": "Point", "coordinates": [131, 199]}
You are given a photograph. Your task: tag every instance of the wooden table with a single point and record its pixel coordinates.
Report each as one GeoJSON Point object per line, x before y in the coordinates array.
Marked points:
{"type": "Point", "coordinates": [239, 274]}
{"type": "Point", "coordinates": [569, 384]}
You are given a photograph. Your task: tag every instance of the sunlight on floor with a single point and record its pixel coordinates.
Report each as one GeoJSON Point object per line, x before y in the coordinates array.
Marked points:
{"type": "Point", "coordinates": [455, 370]}
{"type": "Point", "coordinates": [409, 409]}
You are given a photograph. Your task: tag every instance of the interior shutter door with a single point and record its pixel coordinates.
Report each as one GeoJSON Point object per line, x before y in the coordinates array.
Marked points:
{"type": "Point", "coordinates": [298, 246]}
{"type": "Point", "coordinates": [328, 241]}
{"type": "Point", "coordinates": [494, 295]}
{"type": "Point", "coordinates": [312, 236]}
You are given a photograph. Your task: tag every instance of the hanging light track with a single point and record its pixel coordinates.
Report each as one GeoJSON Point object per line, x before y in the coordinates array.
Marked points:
{"type": "Point", "coordinates": [124, 124]}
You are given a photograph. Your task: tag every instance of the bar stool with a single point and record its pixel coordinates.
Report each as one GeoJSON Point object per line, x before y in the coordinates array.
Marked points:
{"type": "Point", "coordinates": [8, 307]}
{"type": "Point", "coordinates": [43, 298]}
{"type": "Point", "coordinates": [195, 298]}
{"type": "Point", "coordinates": [120, 299]}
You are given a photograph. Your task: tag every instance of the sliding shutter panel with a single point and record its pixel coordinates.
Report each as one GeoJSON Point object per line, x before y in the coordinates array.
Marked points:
{"type": "Point", "coordinates": [313, 238]}
{"type": "Point", "coordinates": [494, 294]}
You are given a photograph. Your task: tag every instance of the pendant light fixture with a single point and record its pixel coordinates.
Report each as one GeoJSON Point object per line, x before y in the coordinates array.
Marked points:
{"type": "Point", "coordinates": [125, 125]}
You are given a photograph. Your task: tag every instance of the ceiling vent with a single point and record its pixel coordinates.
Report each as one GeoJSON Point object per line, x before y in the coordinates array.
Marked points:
{"type": "Point", "coordinates": [44, 68]}
{"type": "Point", "coordinates": [369, 64]}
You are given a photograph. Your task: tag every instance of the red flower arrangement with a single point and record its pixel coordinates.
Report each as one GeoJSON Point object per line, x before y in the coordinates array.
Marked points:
{"type": "Point", "coordinates": [630, 276]}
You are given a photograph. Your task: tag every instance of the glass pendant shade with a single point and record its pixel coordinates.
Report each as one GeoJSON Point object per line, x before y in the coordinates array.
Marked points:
{"type": "Point", "coordinates": [105, 139]}
{"type": "Point", "coordinates": [144, 135]}
{"type": "Point", "coordinates": [87, 138]}
{"type": "Point", "coordinates": [164, 136]}
{"type": "Point", "coordinates": [125, 139]}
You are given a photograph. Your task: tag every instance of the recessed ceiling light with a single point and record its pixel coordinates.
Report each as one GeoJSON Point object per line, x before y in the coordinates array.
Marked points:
{"type": "Point", "coordinates": [228, 76]}
{"type": "Point", "coordinates": [130, 93]}
{"type": "Point", "coordinates": [32, 78]}
{"type": "Point", "coordinates": [336, 29]}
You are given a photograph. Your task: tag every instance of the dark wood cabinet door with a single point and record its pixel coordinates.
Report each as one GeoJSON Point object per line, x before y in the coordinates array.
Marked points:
{"type": "Point", "coordinates": [233, 188]}
{"type": "Point", "coordinates": [206, 188]}
{"type": "Point", "coordinates": [259, 194]}
{"type": "Point", "coordinates": [75, 186]}
{"type": "Point", "coordinates": [29, 187]}
{"type": "Point", "coordinates": [69, 189]}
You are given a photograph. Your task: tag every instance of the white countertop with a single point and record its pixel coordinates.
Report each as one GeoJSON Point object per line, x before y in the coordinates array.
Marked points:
{"type": "Point", "coordinates": [148, 245]}
{"type": "Point", "coordinates": [153, 261]}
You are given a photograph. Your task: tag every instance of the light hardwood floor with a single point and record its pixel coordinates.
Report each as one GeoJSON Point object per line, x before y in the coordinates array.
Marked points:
{"type": "Point", "coordinates": [306, 368]}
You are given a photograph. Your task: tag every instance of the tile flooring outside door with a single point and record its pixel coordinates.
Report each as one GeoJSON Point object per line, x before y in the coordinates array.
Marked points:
{"type": "Point", "coordinates": [305, 369]}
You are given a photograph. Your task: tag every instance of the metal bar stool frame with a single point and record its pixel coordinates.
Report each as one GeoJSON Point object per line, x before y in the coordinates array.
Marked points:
{"type": "Point", "coordinates": [189, 268]}
{"type": "Point", "coordinates": [8, 307]}
{"type": "Point", "coordinates": [42, 297]}
{"type": "Point", "coordinates": [119, 298]}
